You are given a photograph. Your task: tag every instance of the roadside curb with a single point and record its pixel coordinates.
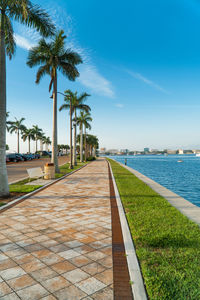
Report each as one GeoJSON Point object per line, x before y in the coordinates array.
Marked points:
{"type": "Point", "coordinates": [21, 199]}
{"type": "Point", "coordinates": [138, 288]}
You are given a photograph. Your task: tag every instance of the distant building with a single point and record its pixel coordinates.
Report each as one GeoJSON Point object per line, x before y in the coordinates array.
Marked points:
{"type": "Point", "coordinates": [102, 150]}
{"type": "Point", "coordinates": [180, 151]}
{"type": "Point", "coordinates": [146, 150]}
{"type": "Point", "coordinates": [112, 151]}
{"type": "Point", "coordinates": [124, 151]}
{"type": "Point", "coordinates": [170, 151]}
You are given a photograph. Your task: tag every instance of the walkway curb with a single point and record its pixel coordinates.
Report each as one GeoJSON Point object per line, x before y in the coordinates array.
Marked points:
{"type": "Point", "coordinates": [188, 209]}
{"type": "Point", "coordinates": [138, 288]}
{"type": "Point", "coordinates": [21, 199]}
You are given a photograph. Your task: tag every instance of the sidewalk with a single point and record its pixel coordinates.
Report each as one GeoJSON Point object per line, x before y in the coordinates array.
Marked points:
{"type": "Point", "coordinates": [58, 243]}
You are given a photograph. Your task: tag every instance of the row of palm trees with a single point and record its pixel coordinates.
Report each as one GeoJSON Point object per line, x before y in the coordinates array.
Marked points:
{"type": "Point", "coordinates": [52, 57]}
{"type": "Point", "coordinates": [27, 134]}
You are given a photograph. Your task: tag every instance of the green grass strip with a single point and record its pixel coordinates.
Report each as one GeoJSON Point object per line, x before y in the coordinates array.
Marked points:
{"type": "Point", "coordinates": [23, 188]}
{"type": "Point", "coordinates": [167, 243]}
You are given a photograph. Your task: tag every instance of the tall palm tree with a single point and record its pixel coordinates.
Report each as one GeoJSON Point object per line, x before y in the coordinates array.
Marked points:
{"type": "Point", "coordinates": [37, 134]}
{"type": "Point", "coordinates": [74, 102]}
{"type": "Point", "coordinates": [28, 134]}
{"type": "Point", "coordinates": [47, 142]}
{"type": "Point", "coordinates": [84, 118]}
{"type": "Point", "coordinates": [17, 127]}
{"type": "Point", "coordinates": [54, 57]}
{"type": "Point", "coordinates": [7, 122]}
{"type": "Point", "coordinates": [30, 15]}
{"type": "Point", "coordinates": [41, 139]}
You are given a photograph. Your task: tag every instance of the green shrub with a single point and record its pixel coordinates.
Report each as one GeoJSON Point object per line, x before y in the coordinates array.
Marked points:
{"type": "Point", "coordinates": [91, 158]}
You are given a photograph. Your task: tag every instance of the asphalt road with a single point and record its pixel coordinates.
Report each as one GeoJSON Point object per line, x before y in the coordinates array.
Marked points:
{"type": "Point", "coordinates": [17, 171]}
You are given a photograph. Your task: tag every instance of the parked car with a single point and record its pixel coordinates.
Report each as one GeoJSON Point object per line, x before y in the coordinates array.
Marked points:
{"type": "Point", "coordinates": [37, 155]}
{"type": "Point", "coordinates": [27, 156]}
{"type": "Point", "coordinates": [14, 157]}
{"type": "Point", "coordinates": [45, 153]}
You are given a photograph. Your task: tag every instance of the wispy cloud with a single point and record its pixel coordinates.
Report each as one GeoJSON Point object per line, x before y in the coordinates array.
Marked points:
{"type": "Point", "coordinates": [119, 105]}
{"type": "Point", "coordinates": [147, 81]}
{"type": "Point", "coordinates": [23, 42]}
{"type": "Point", "coordinates": [91, 78]}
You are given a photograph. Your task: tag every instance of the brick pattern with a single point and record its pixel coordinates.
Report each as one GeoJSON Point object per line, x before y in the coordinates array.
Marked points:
{"type": "Point", "coordinates": [121, 278]}
{"type": "Point", "coordinates": [58, 243]}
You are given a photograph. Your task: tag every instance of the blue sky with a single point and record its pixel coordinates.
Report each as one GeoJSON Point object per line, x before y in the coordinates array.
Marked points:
{"type": "Point", "coordinates": [141, 67]}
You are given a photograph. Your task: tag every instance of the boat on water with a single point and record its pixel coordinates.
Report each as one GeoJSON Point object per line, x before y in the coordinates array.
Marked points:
{"type": "Point", "coordinates": [180, 161]}
{"type": "Point", "coordinates": [197, 154]}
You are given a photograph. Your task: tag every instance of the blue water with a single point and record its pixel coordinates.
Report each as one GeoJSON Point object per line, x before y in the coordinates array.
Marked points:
{"type": "Point", "coordinates": [181, 178]}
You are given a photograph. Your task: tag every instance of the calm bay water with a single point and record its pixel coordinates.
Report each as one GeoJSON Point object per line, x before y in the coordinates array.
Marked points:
{"type": "Point", "coordinates": [183, 178]}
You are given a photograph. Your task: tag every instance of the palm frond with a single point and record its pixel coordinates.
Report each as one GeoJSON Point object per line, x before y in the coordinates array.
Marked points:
{"type": "Point", "coordinates": [68, 70]}
{"type": "Point", "coordinates": [9, 38]}
{"type": "Point", "coordinates": [41, 72]}
{"type": "Point", "coordinates": [71, 57]}
{"type": "Point", "coordinates": [32, 16]}
{"type": "Point", "coordinates": [64, 106]}
{"type": "Point", "coordinates": [39, 54]}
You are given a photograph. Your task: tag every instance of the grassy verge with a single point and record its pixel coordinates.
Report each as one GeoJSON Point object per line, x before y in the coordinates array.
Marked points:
{"type": "Point", "coordinates": [167, 243]}
{"type": "Point", "coordinates": [23, 188]}
{"type": "Point", "coordinates": [65, 169]}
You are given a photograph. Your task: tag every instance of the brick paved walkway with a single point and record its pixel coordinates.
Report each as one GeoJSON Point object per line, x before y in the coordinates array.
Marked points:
{"type": "Point", "coordinates": [57, 244]}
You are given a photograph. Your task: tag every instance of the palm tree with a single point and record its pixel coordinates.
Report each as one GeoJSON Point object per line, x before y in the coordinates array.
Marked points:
{"type": "Point", "coordinates": [37, 134]}
{"type": "Point", "coordinates": [7, 122]}
{"type": "Point", "coordinates": [93, 142]}
{"type": "Point", "coordinates": [47, 142]}
{"type": "Point", "coordinates": [28, 134]}
{"type": "Point", "coordinates": [53, 57]}
{"type": "Point", "coordinates": [30, 15]}
{"type": "Point", "coordinates": [17, 127]}
{"type": "Point", "coordinates": [82, 120]}
{"type": "Point", "coordinates": [74, 103]}
{"type": "Point", "coordinates": [41, 139]}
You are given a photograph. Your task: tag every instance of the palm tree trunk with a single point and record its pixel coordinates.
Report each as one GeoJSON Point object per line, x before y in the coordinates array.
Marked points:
{"type": "Point", "coordinates": [81, 142]}
{"type": "Point", "coordinates": [29, 145]}
{"type": "Point", "coordinates": [41, 145]}
{"type": "Point", "coordinates": [36, 145]}
{"type": "Point", "coordinates": [54, 157]}
{"type": "Point", "coordinates": [85, 145]}
{"type": "Point", "coordinates": [4, 189]}
{"type": "Point", "coordinates": [71, 153]}
{"type": "Point", "coordinates": [74, 148]}
{"type": "Point", "coordinates": [17, 141]}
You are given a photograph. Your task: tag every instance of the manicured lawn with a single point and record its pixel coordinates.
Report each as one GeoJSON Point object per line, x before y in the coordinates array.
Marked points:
{"type": "Point", "coordinates": [167, 243]}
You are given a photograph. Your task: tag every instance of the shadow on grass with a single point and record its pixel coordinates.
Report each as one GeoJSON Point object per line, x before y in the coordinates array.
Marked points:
{"type": "Point", "coordinates": [167, 241]}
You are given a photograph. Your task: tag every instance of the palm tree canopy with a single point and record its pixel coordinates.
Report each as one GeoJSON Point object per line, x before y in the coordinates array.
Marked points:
{"type": "Point", "coordinates": [76, 100]}
{"type": "Point", "coordinates": [53, 56]}
{"type": "Point", "coordinates": [28, 133]}
{"type": "Point", "coordinates": [23, 11]}
{"type": "Point", "coordinates": [93, 140]}
{"type": "Point", "coordinates": [46, 140]}
{"type": "Point", "coordinates": [37, 131]}
{"type": "Point", "coordinates": [84, 119]}
{"type": "Point", "coordinates": [16, 125]}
